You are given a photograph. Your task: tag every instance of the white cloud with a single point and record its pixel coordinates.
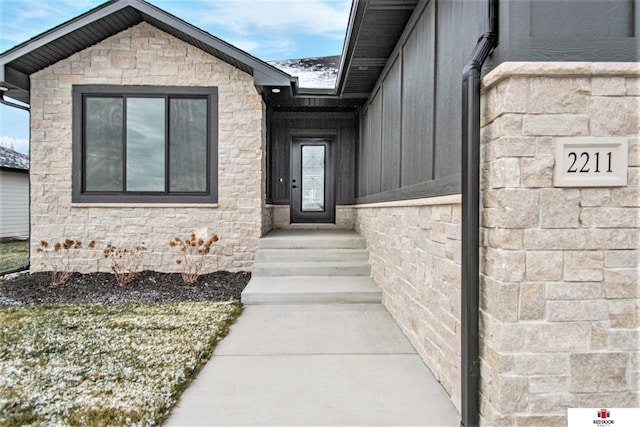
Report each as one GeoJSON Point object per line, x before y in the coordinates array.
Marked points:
{"type": "Point", "coordinates": [27, 10]}
{"type": "Point", "coordinates": [18, 144]}
{"type": "Point", "coordinates": [308, 16]}
{"type": "Point", "coordinates": [22, 20]}
{"type": "Point", "coordinates": [269, 28]}
{"type": "Point", "coordinates": [246, 45]}
{"type": "Point", "coordinates": [82, 4]}
{"type": "Point", "coordinates": [266, 45]}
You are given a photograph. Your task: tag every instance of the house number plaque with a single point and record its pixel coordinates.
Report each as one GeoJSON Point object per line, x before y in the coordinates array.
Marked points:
{"type": "Point", "coordinates": [590, 162]}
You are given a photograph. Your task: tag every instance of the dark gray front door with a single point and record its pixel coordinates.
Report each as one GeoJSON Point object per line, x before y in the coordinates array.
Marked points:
{"type": "Point", "coordinates": [312, 189]}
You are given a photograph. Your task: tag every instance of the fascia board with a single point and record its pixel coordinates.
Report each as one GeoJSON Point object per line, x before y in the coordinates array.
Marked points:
{"type": "Point", "coordinates": [267, 73]}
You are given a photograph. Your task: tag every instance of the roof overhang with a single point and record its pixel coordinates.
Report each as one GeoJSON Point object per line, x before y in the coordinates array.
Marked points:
{"type": "Point", "coordinates": [18, 63]}
{"type": "Point", "coordinates": [14, 170]}
{"type": "Point", "coordinates": [375, 26]}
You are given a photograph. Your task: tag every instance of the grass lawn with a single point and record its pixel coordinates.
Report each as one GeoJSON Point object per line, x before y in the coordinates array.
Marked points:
{"type": "Point", "coordinates": [13, 254]}
{"type": "Point", "coordinates": [98, 365]}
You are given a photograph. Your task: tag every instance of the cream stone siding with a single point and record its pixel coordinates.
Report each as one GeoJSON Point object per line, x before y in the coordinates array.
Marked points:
{"type": "Point", "coordinates": [415, 256]}
{"type": "Point", "coordinates": [282, 218]}
{"type": "Point", "coordinates": [559, 266]}
{"type": "Point", "coordinates": [144, 55]}
{"type": "Point", "coordinates": [560, 272]}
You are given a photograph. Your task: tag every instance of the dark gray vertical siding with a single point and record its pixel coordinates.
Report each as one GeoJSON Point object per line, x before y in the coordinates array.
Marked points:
{"type": "Point", "coordinates": [410, 128]}
{"type": "Point", "coordinates": [340, 127]}
{"type": "Point", "coordinates": [363, 156]}
{"type": "Point", "coordinates": [346, 162]}
{"type": "Point", "coordinates": [568, 18]}
{"type": "Point", "coordinates": [392, 131]}
{"type": "Point", "coordinates": [457, 31]}
{"type": "Point", "coordinates": [421, 128]}
{"type": "Point", "coordinates": [567, 30]}
{"type": "Point", "coordinates": [417, 100]}
{"type": "Point", "coordinates": [374, 163]}
{"type": "Point", "coordinates": [279, 152]}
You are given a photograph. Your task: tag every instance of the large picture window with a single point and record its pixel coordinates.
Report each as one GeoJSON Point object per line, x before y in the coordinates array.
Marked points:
{"type": "Point", "coordinates": [145, 144]}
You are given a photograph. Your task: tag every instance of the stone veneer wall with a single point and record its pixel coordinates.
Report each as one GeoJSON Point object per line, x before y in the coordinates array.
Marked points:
{"type": "Point", "coordinates": [144, 55]}
{"type": "Point", "coordinates": [415, 256]}
{"type": "Point", "coordinates": [560, 275]}
{"type": "Point", "coordinates": [282, 219]}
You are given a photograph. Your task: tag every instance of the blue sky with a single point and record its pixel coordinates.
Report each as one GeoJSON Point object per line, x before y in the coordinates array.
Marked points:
{"type": "Point", "coordinates": [268, 29]}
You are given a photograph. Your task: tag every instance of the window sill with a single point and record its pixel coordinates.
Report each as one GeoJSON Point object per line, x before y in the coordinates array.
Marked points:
{"type": "Point", "coordinates": [145, 205]}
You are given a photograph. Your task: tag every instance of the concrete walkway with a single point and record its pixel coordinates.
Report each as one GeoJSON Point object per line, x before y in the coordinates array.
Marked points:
{"type": "Point", "coordinates": [315, 365]}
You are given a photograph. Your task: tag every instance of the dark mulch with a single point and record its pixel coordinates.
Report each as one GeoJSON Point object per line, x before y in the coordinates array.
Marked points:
{"type": "Point", "coordinates": [147, 286]}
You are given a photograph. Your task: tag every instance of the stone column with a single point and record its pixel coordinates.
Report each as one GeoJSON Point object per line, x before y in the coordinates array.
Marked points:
{"type": "Point", "coordinates": [559, 266]}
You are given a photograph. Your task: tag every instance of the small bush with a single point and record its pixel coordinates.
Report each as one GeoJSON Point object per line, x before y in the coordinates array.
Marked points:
{"type": "Point", "coordinates": [193, 252]}
{"type": "Point", "coordinates": [60, 257]}
{"type": "Point", "coordinates": [125, 262]}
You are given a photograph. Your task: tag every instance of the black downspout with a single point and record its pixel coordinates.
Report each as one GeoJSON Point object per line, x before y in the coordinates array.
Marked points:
{"type": "Point", "coordinates": [471, 222]}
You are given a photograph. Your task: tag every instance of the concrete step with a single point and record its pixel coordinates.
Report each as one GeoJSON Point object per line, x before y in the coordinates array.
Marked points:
{"type": "Point", "coordinates": [311, 290]}
{"type": "Point", "coordinates": [309, 255]}
{"type": "Point", "coordinates": [312, 239]}
{"type": "Point", "coordinates": [311, 268]}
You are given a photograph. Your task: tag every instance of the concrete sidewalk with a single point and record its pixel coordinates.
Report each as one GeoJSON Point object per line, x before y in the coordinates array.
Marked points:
{"type": "Point", "coordinates": [315, 365]}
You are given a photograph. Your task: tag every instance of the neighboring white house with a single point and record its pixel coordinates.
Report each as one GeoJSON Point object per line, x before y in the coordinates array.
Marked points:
{"type": "Point", "coordinates": [14, 194]}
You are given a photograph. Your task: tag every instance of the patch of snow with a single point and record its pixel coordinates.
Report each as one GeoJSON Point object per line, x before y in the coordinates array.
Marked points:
{"type": "Point", "coordinates": [312, 73]}
{"type": "Point", "coordinates": [8, 301]}
{"type": "Point", "coordinates": [13, 275]}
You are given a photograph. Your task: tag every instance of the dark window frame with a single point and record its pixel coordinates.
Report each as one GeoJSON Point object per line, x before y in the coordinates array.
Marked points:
{"type": "Point", "coordinates": [80, 92]}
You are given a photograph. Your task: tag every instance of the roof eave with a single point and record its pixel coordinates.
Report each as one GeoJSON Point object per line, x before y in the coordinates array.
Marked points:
{"type": "Point", "coordinates": [264, 74]}
{"type": "Point", "coordinates": [18, 82]}
{"type": "Point", "coordinates": [353, 29]}
{"type": "Point", "coordinates": [64, 29]}
{"type": "Point", "coordinates": [14, 84]}
{"type": "Point", "coordinates": [16, 170]}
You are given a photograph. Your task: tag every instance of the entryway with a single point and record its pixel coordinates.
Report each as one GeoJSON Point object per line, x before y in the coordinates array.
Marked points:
{"type": "Point", "coordinates": [312, 180]}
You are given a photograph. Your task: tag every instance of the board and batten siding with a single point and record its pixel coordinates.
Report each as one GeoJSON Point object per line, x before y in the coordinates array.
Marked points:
{"type": "Point", "coordinates": [14, 204]}
{"type": "Point", "coordinates": [567, 30]}
{"type": "Point", "coordinates": [410, 136]}
{"type": "Point", "coordinates": [410, 139]}
{"type": "Point", "coordinates": [341, 127]}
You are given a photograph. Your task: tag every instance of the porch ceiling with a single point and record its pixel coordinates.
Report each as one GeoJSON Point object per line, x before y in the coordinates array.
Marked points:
{"type": "Point", "coordinates": [375, 26]}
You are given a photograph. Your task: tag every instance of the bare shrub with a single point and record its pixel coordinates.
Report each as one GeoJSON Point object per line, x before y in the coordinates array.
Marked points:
{"type": "Point", "coordinates": [125, 262]}
{"type": "Point", "coordinates": [61, 257]}
{"type": "Point", "coordinates": [193, 252]}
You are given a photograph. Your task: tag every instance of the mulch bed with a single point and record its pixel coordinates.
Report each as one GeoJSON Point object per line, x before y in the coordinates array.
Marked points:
{"type": "Point", "coordinates": [147, 286]}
